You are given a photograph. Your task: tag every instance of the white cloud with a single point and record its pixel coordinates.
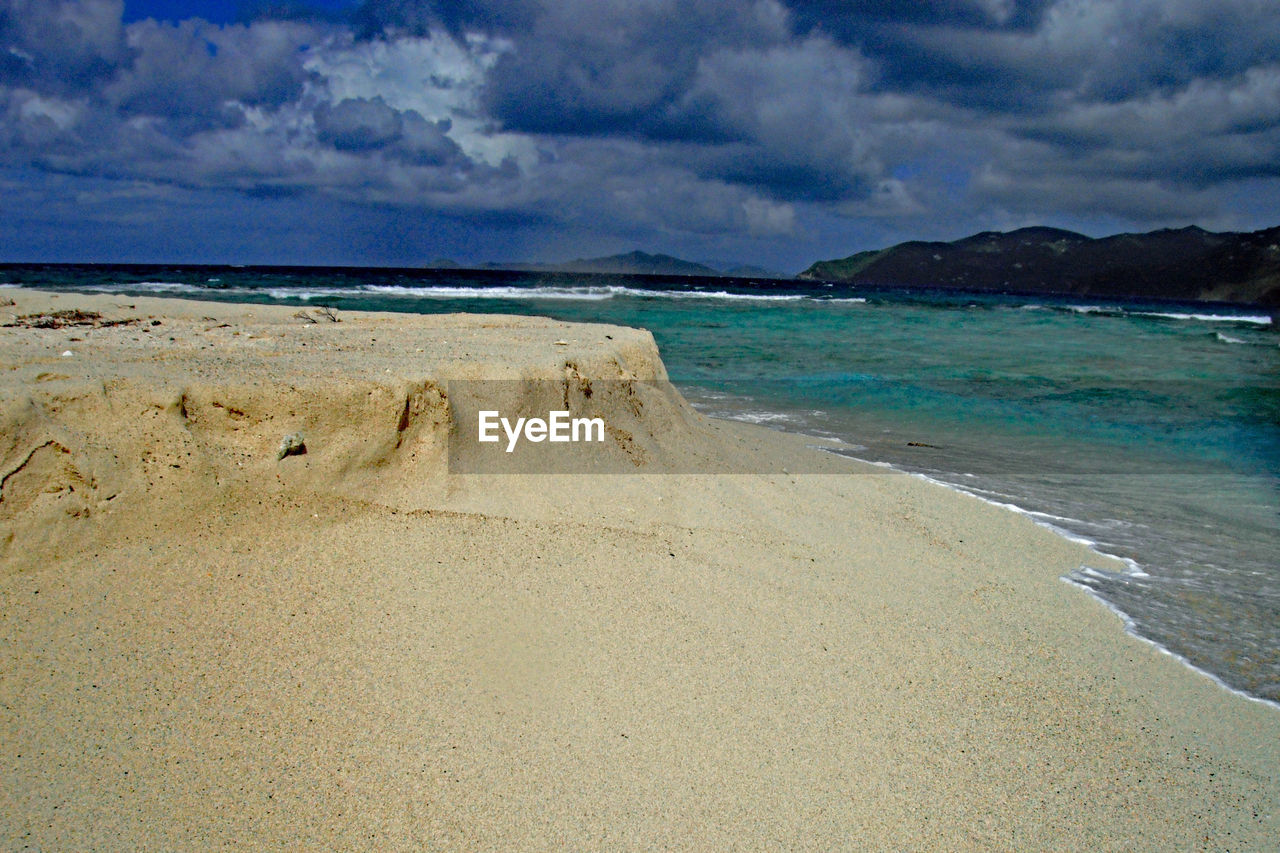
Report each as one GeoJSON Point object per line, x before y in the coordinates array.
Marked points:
{"type": "Point", "coordinates": [33, 107]}
{"type": "Point", "coordinates": [766, 218]}
{"type": "Point", "coordinates": [436, 76]}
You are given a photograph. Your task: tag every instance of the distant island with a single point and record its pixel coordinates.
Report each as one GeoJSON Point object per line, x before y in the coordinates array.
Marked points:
{"type": "Point", "coordinates": [1185, 264]}
{"type": "Point", "coordinates": [634, 263]}
{"type": "Point", "coordinates": [629, 263]}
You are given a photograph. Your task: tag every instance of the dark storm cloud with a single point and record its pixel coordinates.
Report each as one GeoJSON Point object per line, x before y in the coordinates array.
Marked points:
{"type": "Point", "coordinates": [427, 143]}
{"type": "Point", "coordinates": [365, 124]}
{"type": "Point", "coordinates": [193, 69]}
{"type": "Point", "coordinates": [147, 111]}
{"type": "Point", "coordinates": [1018, 69]}
{"type": "Point", "coordinates": [358, 124]}
{"type": "Point", "coordinates": [793, 120]}
{"type": "Point", "coordinates": [1079, 49]}
{"type": "Point", "coordinates": [217, 106]}
{"type": "Point", "coordinates": [850, 20]}
{"type": "Point", "coordinates": [375, 18]}
{"type": "Point", "coordinates": [1207, 133]}
{"type": "Point", "coordinates": [610, 66]}
{"type": "Point", "coordinates": [62, 45]}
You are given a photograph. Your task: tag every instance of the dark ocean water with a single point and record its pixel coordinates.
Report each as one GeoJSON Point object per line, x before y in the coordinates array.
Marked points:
{"type": "Point", "coordinates": [1150, 429]}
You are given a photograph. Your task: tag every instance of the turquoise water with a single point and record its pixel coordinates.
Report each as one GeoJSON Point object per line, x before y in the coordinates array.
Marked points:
{"type": "Point", "coordinates": [1153, 431]}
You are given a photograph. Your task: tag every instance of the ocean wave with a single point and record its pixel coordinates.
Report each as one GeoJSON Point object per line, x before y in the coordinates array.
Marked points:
{"type": "Point", "coordinates": [1256, 319]}
{"type": "Point", "coordinates": [596, 293]}
{"type": "Point", "coordinates": [839, 444]}
{"type": "Point", "coordinates": [757, 417]}
{"type": "Point", "coordinates": [588, 293]}
{"type": "Point", "coordinates": [1227, 339]}
{"type": "Point", "coordinates": [581, 294]}
{"type": "Point", "coordinates": [1122, 311]}
{"type": "Point", "coordinates": [149, 286]}
{"type": "Point", "coordinates": [721, 294]}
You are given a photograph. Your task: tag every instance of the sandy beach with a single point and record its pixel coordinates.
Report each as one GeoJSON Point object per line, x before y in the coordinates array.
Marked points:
{"type": "Point", "coordinates": [721, 638]}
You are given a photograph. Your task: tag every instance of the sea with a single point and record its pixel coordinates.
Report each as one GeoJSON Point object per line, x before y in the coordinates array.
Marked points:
{"type": "Point", "coordinates": [1149, 430]}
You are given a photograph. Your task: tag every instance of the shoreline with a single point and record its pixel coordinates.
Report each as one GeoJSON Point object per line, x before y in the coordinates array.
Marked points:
{"type": "Point", "coordinates": [1132, 566]}
{"type": "Point", "coordinates": [789, 655]}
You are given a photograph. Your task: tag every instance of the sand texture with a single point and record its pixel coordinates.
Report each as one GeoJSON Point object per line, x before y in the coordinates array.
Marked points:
{"type": "Point", "coordinates": [204, 646]}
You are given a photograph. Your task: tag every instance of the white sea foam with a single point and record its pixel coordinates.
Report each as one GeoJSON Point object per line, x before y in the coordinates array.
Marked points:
{"type": "Point", "coordinates": [582, 294]}
{"type": "Point", "coordinates": [720, 294]}
{"type": "Point", "coordinates": [979, 491]}
{"type": "Point", "coordinates": [1120, 310]}
{"type": "Point", "coordinates": [759, 417]}
{"type": "Point", "coordinates": [875, 462]}
{"type": "Point", "coordinates": [1227, 339]}
{"type": "Point", "coordinates": [850, 300]}
{"type": "Point", "coordinates": [574, 293]}
{"type": "Point", "coordinates": [586, 293]}
{"type": "Point", "coordinates": [1256, 319]}
{"type": "Point", "coordinates": [151, 286]}
{"type": "Point", "coordinates": [1050, 517]}
{"type": "Point", "coordinates": [835, 442]}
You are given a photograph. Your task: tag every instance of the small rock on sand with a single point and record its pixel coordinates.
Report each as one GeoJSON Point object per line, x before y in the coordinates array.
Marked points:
{"type": "Point", "coordinates": [291, 445]}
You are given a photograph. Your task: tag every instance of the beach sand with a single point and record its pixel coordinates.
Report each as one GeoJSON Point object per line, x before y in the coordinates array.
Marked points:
{"type": "Point", "coordinates": [203, 646]}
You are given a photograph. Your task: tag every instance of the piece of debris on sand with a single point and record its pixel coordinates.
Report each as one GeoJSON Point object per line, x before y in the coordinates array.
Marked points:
{"type": "Point", "coordinates": [291, 445]}
{"type": "Point", "coordinates": [63, 319]}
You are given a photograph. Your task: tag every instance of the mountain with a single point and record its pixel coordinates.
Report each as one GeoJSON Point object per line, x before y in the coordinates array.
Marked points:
{"type": "Point", "coordinates": [1187, 264]}
{"type": "Point", "coordinates": [634, 263]}
{"type": "Point", "coordinates": [639, 263]}
{"type": "Point", "coordinates": [749, 271]}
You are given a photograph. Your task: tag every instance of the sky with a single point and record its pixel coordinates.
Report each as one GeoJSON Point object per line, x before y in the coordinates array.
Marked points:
{"type": "Point", "coordinates": [764, 132]}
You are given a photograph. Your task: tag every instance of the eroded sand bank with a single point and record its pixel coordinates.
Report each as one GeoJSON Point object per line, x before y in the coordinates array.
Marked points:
{"type": "Point", "coordinates": [204, 646]}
